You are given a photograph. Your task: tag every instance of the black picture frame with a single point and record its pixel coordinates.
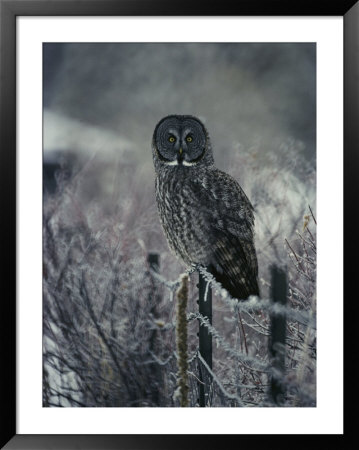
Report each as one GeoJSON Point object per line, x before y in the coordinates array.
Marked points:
{"type": "Point", "coordinates": [9, 10]}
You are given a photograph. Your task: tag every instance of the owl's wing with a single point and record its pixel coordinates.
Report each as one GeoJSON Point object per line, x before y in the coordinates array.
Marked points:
{"type": "Point", "coordinates": [230, 221]}
{"type": "Point", "coordinates": [234, 265]}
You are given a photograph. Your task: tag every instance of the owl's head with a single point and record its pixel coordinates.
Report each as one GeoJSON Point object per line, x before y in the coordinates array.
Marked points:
{"type": "Point", "coordinates": [181, 141]}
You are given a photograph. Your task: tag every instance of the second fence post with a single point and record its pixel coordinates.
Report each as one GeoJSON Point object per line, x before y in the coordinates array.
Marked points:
{"type": "Point", "coordinates": [205, 337]}
{"type": "Point", "coordinates": [278, 334]}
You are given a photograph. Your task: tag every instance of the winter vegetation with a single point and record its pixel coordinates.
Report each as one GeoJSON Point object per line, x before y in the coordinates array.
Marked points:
{"type": "Point", "coordinates": [110, 314]}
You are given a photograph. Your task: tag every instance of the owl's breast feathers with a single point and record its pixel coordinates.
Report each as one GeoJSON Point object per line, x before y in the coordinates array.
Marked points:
{"type": "Point", "coordinates": [208, 220]}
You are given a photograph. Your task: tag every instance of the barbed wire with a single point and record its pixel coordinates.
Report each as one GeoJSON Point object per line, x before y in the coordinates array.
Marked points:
{"type": "Point", "coordinates": [253, 303]}
{"type": "Point", "coordinates": [260, 366]}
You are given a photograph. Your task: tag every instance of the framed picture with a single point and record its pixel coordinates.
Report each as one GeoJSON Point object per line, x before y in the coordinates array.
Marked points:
{"type": "Point", "coordinates": [94, 354]}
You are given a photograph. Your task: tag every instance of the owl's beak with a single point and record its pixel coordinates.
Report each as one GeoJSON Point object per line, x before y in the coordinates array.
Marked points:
{"type": "Point", "coordinates": [180, 156]}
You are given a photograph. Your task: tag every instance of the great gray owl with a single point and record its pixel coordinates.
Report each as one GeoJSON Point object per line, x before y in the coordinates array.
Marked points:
{"type": "Point", "coordinates": [206, 216]}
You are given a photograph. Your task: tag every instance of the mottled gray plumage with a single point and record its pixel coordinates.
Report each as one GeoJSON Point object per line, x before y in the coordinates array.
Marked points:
{"type": "Point", "coordinates": [206, 216]}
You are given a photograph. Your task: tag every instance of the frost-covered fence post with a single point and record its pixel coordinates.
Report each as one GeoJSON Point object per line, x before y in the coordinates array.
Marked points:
{"type": "Point", "coordinates": [181, 341]}
{"type": "Point", "coordinates": [205, 338]}
{"type": "Point", "coordinates": [154, 299]}
{"type": "Point", "coordinates": [277, 334]}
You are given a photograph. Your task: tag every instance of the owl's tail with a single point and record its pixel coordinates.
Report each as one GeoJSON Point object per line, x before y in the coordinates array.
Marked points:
{"type": "Point", "coordinates": [240, 290]}
{"type": "Point", "coordinates": [234, 265]}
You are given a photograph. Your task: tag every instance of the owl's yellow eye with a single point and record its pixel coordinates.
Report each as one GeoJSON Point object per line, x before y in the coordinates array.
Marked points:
{"type": "Point", "coordinates": [171, 138]}
{"type": "Point", "coordinates": [189, 139]}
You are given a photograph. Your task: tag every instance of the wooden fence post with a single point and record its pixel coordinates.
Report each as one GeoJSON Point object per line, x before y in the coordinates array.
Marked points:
{"type": "Point", "coordinates": [154, 299]}
{"type": "Point", "coordinates": [205, 338]}
{"type": "Point", "coordinates": [277, 335]}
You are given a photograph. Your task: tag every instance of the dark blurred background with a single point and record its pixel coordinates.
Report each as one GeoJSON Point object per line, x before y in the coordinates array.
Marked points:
{"type": "Point", "coordinates": [106, 99]}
